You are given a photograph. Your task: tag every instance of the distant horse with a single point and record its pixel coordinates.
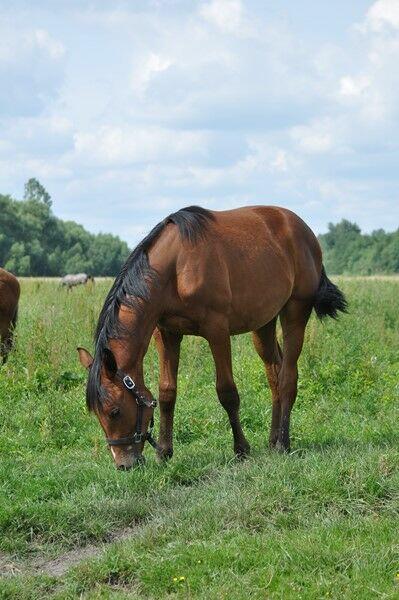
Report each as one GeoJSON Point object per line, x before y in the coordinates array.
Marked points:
{"type": "Point", "coordinates": [79, 279]}
{"type": "Point", "coordinates": [212, 274]}
{"type": "Point", "coordinates": [9, 296]}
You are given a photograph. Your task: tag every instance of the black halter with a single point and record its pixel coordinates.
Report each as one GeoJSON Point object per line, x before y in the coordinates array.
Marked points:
{"type": "Point", "coordinates": [138, 436]}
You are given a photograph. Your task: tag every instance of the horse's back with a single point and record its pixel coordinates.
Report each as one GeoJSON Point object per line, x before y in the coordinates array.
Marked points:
{"type": "Point", "coordinates": [269, 228]}
{"type": "Point", "coordinates": [248, 264]}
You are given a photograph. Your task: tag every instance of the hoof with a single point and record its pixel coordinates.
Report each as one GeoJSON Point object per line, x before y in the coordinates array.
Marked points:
{"type": "Point", "coordinates": [281, 449]}
{"type": "Point", "coordinates": [242, 452]}
{"type": "Point", "coordinates": [164, 454]}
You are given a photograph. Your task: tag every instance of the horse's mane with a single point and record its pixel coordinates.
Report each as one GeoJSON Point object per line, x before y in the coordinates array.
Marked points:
{"type": "Point", "coordinates": [132, 288]}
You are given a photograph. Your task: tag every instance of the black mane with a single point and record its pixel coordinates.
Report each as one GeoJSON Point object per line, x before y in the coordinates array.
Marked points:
{"type": "Point", "coordinates": [131, 288]}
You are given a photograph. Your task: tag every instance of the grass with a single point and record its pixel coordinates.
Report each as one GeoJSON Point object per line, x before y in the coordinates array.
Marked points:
{"type": "Point", "coordinates": [319, 523]}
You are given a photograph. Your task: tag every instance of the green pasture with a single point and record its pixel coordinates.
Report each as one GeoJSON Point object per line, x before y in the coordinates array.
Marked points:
{"type": "Point", "coordinates": [319, 523]}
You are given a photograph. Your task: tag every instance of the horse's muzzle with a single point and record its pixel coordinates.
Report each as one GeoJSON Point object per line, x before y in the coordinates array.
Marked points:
{"type": "Point", "coordinates": [129, 462]}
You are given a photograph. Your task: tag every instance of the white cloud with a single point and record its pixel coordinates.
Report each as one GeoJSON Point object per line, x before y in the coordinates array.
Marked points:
{"type": "Point", "coordinates": [354, 86]}
{"type": "Point", "coordinates": [383, 13]}
{"type": "Point", "coordinates": [23, 45]}
{"type": "Point", "coordinates": [59, 124]}
{"type": "Point", "coordinates": [217, 102]}
{"type": "Point", "coordinates": [226, 15]}
{"type": "Point", "coordinates": [280, 163]}
{"type": "Point", "coordinates": [373, 90]}
{"type": "Point", "coordinates": [316, 138]}
{"type": "Point", "coordinates": [147, 69]}
{"type": "Point", "coordinates": [31, 69]}
{"type": "Point", "coordinates": [44, 40]}
{"type": "Point", "coordinates": [43, 169]}
{"type": "Point", "coordinates": [115, 145]}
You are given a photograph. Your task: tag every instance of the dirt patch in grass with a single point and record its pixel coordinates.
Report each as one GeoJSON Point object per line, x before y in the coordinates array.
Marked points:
{"type": "Point", "coordinates": [8, 566]}
{"type": "Point", "coordinates": [58, 566]}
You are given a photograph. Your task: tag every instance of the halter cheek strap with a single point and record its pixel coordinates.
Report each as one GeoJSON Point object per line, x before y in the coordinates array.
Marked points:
{"type": "Point", "coordinates": [142, 402]}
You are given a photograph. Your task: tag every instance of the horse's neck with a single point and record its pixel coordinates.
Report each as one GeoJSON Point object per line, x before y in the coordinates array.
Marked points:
{"type": "Point", "coordinates": [138, 325]}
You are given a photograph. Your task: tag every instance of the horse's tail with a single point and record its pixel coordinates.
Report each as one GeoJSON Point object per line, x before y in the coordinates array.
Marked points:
{"type": "Point", "coordinates": [14, 320]}
{"type": "Point", "coordinates": [11, 330]}
{"type": "Point", "coordinates": [329, 299]}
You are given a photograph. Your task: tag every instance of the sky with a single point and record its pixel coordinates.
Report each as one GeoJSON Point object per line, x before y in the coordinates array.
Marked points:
{"type": "Point", "coordinates": [128, 110]}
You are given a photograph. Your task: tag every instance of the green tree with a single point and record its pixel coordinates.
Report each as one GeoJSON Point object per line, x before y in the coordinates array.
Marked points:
{"type": "Point", "coordinates": [347, 250]}
{"type": "Point", "coordinates": [34, 242]}
{"type": "Point", "coordinates": [35, 191]}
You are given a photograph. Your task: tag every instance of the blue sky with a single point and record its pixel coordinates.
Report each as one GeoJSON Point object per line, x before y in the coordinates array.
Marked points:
{"type": "Point", "coordinates": [126, 111]}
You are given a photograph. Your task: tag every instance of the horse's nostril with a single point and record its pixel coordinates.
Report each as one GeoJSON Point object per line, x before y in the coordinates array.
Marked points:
{"type": "Point", "coordinates": [123, 467]}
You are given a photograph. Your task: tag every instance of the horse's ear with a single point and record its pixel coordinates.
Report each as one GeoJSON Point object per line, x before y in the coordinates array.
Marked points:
{"type": "Point", "coordinates": [86, 359]}
{"type": "Point", "coordinates": [109, 362]}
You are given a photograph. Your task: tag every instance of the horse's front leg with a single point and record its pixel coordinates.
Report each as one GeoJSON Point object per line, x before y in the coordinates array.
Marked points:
{"type": "Point", "coordinates": [227, 390]}
{"type": "Point", "coordinates": [168, 345]}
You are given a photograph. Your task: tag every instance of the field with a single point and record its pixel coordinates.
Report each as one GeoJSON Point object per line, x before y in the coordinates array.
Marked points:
{"type": "Point", "coordinates": [319, 523]}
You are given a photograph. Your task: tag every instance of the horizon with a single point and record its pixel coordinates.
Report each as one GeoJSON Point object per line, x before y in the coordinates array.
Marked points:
{"type": "Point", "coordinates": [362, 232]}
{"type": "Point", "coordinates": [220, 103]}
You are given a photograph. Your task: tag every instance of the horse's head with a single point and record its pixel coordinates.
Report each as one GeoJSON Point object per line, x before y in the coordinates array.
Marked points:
{"type": "Point", "coordinates": [124, 410]}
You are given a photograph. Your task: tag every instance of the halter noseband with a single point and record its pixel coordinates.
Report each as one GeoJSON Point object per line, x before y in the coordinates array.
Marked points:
{"type": "Point", "coordinates": [138, 436]}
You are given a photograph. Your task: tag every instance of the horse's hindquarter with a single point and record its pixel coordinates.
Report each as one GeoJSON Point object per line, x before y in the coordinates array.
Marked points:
{"type": "Point", "coordinates": [283, 253]}
{"type": "Point", "coordinates": [260, 270]}
{"type": "Point", "coordinates": [9, 296]}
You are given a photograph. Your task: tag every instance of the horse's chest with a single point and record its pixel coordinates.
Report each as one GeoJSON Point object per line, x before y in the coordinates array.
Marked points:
{"type": "Point", "coordinates": [179, 324]}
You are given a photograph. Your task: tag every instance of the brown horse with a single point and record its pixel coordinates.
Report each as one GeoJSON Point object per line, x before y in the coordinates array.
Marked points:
{"type": "Point", "coordinates": [9, 296]}
{"type": "Point", "coordinates": [212, 274]}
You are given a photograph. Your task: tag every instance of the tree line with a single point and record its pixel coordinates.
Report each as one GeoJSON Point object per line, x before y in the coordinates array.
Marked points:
{"type": "Point", "coordinates": [35, 242]}
{"type": "Point", "coordinates": [347, 251]}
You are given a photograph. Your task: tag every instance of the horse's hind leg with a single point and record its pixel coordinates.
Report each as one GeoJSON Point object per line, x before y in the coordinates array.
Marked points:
{"type": "Point", "coordinates": [294, 318]}
{"type": "Point", "coordinates": [227, 390]}
{"type": "Point", "coordinates": [3, 353]}
{"type": "Point", "coordinates": [268, 348]}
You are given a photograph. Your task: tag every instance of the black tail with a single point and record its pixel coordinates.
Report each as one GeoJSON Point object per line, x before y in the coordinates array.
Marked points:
{"type": "Point", "coordinates": [15, 318]}
{"type": "Point", "coordinates": [329, 299]}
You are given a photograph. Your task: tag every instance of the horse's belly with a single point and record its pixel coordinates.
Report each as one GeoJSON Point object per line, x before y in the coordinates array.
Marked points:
{"type": "Point", "coordinates": [254, 317]}
{"type": "Point", "coordinates": [259, 297]}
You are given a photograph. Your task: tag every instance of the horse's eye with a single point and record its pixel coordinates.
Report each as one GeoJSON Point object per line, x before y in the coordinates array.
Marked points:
{"type": "Point", "coordinates": [115, 412]}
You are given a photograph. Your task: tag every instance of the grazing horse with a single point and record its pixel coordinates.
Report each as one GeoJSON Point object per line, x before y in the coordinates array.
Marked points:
{"type": "Point", "coordinates": [79, 279]}
{"type": "Point", "coordinates": [212, 274]}
{"type": "Point", "coordinates": [9, 296]}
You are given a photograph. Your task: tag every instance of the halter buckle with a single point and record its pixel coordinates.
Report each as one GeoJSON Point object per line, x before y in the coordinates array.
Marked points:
{"type": "Point", "coordinates": [138, 437]}
{"type": "Point", "coordinates": [128, 382]}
